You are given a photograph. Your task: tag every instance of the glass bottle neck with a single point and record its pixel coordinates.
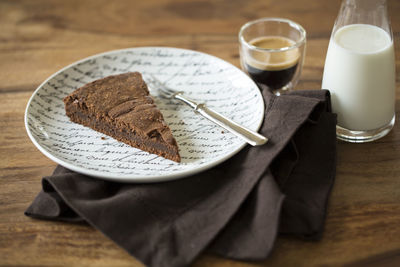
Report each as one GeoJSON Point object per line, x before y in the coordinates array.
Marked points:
{"type": "Point", "coordinates": [373, 12]}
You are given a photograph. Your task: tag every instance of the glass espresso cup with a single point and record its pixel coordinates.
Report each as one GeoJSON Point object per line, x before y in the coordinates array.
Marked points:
{"type": "Point", "coordinates": [272, 52]}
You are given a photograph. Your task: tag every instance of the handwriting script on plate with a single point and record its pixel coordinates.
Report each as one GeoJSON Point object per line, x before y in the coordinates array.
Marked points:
{"type": "Point", "coordinates": [201, 77]}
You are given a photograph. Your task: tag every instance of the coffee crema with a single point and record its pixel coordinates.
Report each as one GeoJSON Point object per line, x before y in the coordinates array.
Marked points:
{"type": "Point", "coordinates": [274, 69]}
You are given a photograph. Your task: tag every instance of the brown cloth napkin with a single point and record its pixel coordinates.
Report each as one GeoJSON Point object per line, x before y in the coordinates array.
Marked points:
{"type": "Point", "coordinates": [235, 209]}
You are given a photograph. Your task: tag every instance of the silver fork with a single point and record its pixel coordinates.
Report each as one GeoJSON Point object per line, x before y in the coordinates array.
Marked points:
{"type": "Point", "coordinates": [251, 137]}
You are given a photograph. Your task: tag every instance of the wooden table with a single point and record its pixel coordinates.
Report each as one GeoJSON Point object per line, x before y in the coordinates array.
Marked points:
{"type": "Point", "coordinates": [39, 37]}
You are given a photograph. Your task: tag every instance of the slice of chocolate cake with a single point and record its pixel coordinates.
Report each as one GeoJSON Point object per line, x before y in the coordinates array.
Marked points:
{"type": "Point", "coordinates": [120, 106]}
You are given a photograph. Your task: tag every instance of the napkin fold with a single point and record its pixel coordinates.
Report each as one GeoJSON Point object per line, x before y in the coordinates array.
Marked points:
{"type": "Point", "coordinates": [235, 209]}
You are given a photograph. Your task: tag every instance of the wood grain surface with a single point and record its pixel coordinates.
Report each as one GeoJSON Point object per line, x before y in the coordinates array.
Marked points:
{"type": "Point", "coordinates": [39, 37]}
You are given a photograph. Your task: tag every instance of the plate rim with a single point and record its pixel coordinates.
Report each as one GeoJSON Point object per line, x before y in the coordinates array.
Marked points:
{"type": "Point", "coordinates": [127, 178]}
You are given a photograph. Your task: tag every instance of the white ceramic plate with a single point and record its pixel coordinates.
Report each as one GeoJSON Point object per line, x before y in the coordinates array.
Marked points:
{"type": "Point", "coordinates": [202, 144]}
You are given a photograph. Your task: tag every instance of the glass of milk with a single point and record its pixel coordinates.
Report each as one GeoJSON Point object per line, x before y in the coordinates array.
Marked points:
{"type": "Point", "coordinates": [360, 71]}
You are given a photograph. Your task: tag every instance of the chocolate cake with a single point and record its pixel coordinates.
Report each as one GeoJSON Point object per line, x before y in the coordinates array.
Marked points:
{"type": "Point", "coordinates": [120, 106]}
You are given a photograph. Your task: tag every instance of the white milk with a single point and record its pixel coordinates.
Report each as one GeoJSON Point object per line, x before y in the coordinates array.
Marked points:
{"type": "Point", "coordinates": [360, 73]}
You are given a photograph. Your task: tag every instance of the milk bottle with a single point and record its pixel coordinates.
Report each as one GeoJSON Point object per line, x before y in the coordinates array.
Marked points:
{"type": "Point", "coordinates": [360, 71]}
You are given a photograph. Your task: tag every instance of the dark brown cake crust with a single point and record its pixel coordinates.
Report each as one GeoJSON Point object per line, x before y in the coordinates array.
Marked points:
{"type": "Point", "coordinates": [120, 106]}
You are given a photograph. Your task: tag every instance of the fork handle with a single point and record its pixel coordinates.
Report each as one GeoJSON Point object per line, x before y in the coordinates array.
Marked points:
{"type": "Point", "coordinates": [251, 137]}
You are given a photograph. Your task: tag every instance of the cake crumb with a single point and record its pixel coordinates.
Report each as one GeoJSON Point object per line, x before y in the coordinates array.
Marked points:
{"type": "Point", "coordinates": [222, 132]}
{"type": "Point", "coordinates": [103, 138]}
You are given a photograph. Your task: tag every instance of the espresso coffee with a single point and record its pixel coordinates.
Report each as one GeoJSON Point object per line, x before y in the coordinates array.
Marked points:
{"type": "Point", "coordinates": [274, 69]}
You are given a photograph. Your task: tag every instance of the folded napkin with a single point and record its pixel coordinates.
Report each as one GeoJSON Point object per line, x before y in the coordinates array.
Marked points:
{"type": "Point", "coordinates": [235, 209]}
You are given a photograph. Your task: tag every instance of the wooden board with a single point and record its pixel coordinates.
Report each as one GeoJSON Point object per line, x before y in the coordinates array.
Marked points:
{"type": "Point", "coordinates": [39, 37]}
